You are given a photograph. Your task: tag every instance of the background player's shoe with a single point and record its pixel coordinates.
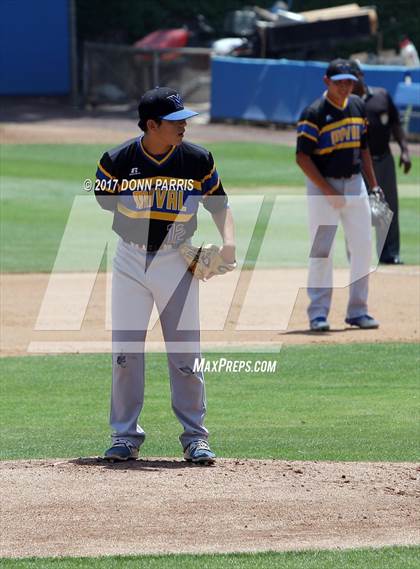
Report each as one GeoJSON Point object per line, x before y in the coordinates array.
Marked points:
{"type": "Point", "coordinates": [366, 322]}
{"type": "Point", "coordinates": [199, 452]}
{"type": "Point", "coordinates": [121, 450]}
{"type": "Point", "coordinates": [319, 324]}
{"type": "Point", "coordinates": [391, 261]}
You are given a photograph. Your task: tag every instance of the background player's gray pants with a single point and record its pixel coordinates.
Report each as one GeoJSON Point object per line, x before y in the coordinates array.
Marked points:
{"type": "Point", "coordinates": [323, 221]}
{"type": "Point", "coordinates": [171, 286]}
{"type": "Point", "coordinates": [384, 167]}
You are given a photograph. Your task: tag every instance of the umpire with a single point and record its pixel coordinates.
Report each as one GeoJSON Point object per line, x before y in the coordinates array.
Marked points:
{"type": "Point", "coordinates": [384, 120]}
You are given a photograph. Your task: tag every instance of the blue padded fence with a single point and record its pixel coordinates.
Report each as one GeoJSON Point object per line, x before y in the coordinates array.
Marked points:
{"type": "Point", "coordinates": [278, 90]}
{"type": "Point", "coordinates": [34, 47]}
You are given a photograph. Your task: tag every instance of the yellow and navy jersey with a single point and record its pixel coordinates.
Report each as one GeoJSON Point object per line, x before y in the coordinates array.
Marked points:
{"type": "Point", "coordinates": [156, 198]}
{"type": "Point", "coordinates": [333, 136]}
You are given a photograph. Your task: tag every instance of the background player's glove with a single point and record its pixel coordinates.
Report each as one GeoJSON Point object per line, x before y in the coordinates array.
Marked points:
{"type": "Point", "coordinates": [379, 208]}
{"type": "Point", "coordinates": [205, 261]}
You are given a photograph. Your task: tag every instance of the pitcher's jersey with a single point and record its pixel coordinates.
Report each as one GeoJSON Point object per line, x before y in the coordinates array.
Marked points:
{"type": "Point", "coordinates": [155, 198]}
{"type": "Point", "coordinates": [333, 135]}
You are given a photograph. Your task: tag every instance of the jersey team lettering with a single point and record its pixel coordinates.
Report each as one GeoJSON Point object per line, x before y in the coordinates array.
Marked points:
{"type": "Point", "coordinates": [346, 134]}
{"type": "Point", "coordinates": [161, 199]}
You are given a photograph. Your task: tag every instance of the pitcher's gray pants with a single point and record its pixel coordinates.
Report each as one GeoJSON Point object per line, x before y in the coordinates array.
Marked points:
{"type": "Point", "coordinates": [169, 284]}
{"type": "Point", "coordinates": [323, 222]}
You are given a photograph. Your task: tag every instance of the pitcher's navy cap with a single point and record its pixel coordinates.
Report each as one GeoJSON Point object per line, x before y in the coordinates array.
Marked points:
{"type": "Point", "coordinates": [340, 69]}
{"type": "Point", "coordinates": [163, 103]}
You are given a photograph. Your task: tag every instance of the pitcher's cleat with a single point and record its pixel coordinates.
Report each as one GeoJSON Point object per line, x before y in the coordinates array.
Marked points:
{"type": "Point", "coordinates": [199, 452]}
{"type": "Point", "coordinates": [319, 324]}
{"type": "Point", "coordinates": [121, 451]}
{"type": "Point", "coordinates": [365, 322]}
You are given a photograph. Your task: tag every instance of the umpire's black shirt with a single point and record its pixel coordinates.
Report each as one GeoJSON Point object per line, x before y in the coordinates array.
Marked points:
{"type": "Point", "coordinates": [382, 115]}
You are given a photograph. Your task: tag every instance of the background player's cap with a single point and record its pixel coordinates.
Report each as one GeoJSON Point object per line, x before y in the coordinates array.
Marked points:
{"type": "Point", "coordinates": [355, 68]}
{"type": "Point", "coordinates": [340, 69]}
{"type": "Point", "coordinates": [163, 103]}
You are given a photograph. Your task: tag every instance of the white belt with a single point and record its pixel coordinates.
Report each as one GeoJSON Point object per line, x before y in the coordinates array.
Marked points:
{"type": "Point", "coordinates": [164, 247]}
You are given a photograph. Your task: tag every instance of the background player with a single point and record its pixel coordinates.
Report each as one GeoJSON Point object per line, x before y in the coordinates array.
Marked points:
{"type": "Point", "coordinates": [384, 119]}
{"type": "Point", "coordinates": [153, 185]}
{"type": "Point", "coordinates": [331, 149]}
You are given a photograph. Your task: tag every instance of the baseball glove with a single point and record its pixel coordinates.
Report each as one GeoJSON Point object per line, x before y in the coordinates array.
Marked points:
{"type": "Point", "coordinates": [379, 208]}
{"type": "Point", "coordinates": [205, 261]}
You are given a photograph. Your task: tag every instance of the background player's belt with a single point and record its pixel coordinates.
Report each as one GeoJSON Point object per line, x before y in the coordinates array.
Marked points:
{"type": "Point", "coordinates": [379, 157]}
{"type": "Point", "coordinates": [344, 177]}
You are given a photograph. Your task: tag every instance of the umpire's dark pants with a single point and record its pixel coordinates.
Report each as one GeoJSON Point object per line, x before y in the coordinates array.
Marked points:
{"type": "Point", "coordinates": [384, 167]}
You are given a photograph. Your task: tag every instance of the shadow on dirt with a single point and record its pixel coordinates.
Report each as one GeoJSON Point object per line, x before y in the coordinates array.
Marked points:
{"type": "Point", "coordinates": [141, 464]}
{"type": "Point", "coordinates": [307, 332]}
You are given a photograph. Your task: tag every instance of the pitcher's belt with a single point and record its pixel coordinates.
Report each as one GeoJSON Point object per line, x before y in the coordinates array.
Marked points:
{"type": "Point", "coordinates": [153, 248]}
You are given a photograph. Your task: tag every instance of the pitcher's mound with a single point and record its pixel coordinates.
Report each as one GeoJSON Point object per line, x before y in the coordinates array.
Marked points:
{"type": "Point", "coordinates": [88, 507]}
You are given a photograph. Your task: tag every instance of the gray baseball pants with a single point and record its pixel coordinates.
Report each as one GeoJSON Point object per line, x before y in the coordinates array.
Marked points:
{"type": "Point", "coordinates": [139, 280]}
{"type": "Point", "coordinates": [323, 221]}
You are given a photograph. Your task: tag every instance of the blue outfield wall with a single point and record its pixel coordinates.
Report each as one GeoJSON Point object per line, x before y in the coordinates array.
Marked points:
{"type": "Point", "coordinates": [277, 90]}
{"type": "Point", "coordinates": [34, 47]}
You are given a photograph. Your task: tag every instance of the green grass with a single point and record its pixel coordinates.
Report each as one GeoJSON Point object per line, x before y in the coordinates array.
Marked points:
{"type": "Point", "coordinates": [241, 164]}
{"type": "Point", "coordinates": [58, 162]}
{"type": "Point", "coordinates": [409, 216]}
{"type": "Point", "coordinates": [38, 185]}
{"type": "Point", "coordinates": [323, 403]}
{"type": "Point", "coordinates": [253, 165]}
{"type": "Point", "coordinates": [384, 558]}
{"type": "Point", "coordinates": [249, 165]}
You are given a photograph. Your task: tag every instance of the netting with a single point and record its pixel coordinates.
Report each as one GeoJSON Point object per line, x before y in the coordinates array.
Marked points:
{"type": "Point", "coordinates": [115, 74]}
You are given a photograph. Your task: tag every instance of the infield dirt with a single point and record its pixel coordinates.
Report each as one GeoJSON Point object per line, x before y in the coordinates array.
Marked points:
{"type": "Point", "coordinates": [87, 507]}
{"type": "Point", "coordinates": [22, 296]}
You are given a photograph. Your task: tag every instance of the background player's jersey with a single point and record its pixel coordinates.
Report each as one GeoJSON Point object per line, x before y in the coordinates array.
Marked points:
{"type": "Point", "coordinates": [155, 198]}
{"type": "Point", "coordinates": [333, 135]}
